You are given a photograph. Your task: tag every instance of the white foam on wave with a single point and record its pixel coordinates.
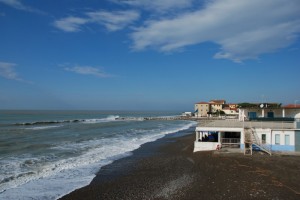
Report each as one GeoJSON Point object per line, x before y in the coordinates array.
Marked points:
{"type": "Point", "coordinates": [42, 127]}
{"type": "Point", "coordinates": [75, 172]}
{"type": "Point", "coordinates": [107, 119]}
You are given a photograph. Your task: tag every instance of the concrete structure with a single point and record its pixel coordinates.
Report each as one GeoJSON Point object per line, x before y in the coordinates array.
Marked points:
{"type": "Point", "coordinates": [265, 136]}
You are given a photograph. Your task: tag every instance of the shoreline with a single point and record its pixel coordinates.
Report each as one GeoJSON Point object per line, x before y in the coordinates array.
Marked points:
{"type": "Point", "coordinates": [168, 169]}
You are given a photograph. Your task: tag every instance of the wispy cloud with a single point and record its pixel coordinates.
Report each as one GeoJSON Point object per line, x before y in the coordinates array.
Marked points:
{"type": "Point", "coordinates": [17, 4]}
{"type": "Point", "coordinates": [70, 24]}
{"type": "Point", "coordinates": [7, 70]}
{"type": "Point", "coordinates": [88, 70]}
{"type": "Point", "coordinates": [112, 21]}
{"type": "Point", "coordinates": [157, 5]}
{"type": "Point", "coordinates": [243, 29]}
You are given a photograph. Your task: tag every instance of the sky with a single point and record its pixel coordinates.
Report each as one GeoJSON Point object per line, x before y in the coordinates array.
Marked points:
{"type": "Point", "coordinates": [147, 54]}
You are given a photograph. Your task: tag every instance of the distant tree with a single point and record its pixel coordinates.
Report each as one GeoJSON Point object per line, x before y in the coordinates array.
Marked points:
{"type": "Point", "coordinates": [247, 105]}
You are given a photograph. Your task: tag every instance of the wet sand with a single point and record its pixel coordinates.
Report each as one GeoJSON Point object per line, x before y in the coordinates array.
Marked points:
{"type": "Point", "coordinates": [168, 169]}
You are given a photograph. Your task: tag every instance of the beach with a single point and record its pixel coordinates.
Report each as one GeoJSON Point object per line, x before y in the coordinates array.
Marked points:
{"type": "Point", "coordinates": [168, 169]}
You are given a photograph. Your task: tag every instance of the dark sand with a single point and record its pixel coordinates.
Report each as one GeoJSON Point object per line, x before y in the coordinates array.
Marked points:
{"type": "Point", "coordinates": [168, 169]}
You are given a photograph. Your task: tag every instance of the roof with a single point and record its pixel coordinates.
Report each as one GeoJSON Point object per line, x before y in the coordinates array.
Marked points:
{"type": "Point", "coordinates": [228, 108]}
{"type": "Point", "coordinates": [218, 101]}
{"type": "Point", "coordinates": [202, 102]}
{"type": "Point", "coordinates": [292, 106]}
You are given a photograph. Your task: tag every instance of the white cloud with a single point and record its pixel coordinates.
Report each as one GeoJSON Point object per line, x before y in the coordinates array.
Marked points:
{"type": "Point", "coordinates": [157, 5]}
{"type": "Point", "coordinates": [243, 29]}
{"type": "Point", "coordinates": [17, 4]}
{"type": "Point", "coordinates": [7, 70]}
{"type": "Point", "coordinates": [70, 24]}
{"type": "Point", "coordinates": [112, 21]}
{"type": "Point", "coordinates": [88, 70]}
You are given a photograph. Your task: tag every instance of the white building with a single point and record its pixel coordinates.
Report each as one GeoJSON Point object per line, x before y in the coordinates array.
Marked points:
{"type": "Point", "coordinates": [267, 136]}
{"type": "Point", "coordinates": [263, 112]}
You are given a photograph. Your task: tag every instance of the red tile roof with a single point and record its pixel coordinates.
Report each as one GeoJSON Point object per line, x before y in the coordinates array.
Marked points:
{"type": "Point", "coordinates": [291, 106]}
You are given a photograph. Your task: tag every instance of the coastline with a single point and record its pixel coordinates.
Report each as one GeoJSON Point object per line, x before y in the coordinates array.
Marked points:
{"type": "Point", "coordinates": [168, 169]}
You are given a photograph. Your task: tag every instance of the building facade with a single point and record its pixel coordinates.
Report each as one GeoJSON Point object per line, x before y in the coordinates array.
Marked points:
{"type": "Point", "coordinates": [202, 109]}
{"type": "Point", "coordinates": [263, 112]}
{"type": "Point", "coordinates": [265, 136]}
{"type": "Point", "coordinates": [205, 109]}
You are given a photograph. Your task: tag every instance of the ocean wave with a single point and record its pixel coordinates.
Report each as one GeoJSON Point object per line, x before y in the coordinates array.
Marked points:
{"type": "Point", "coordinates": [42, 127]}
{"type": "Point", "coordinates": [48, 122]}
{"type": "Point", "coordinates": [29, 175]}
{"type": "Point", "coordinates": [107, 119]}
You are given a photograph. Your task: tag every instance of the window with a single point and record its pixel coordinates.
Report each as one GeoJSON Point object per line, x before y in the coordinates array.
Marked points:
{"type": "Point", "coordinates": [263, 138]}
{"type": "Point", "coordinates": [287, 139]}
{"type": "Point", "coordinates": [277, 139]}
{"type": "Point", "coordinates": [270, 114]}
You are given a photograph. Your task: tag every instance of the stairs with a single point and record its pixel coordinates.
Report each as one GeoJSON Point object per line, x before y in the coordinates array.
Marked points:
{"type": "Point", "coordinates": [248, 142]}
{"type": "Point", "coordinates": [252, 141]}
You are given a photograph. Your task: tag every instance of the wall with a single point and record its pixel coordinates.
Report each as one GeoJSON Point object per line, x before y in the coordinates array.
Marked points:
{"type": "Point", "coordinates": [205, 146]}
{"type": "Point", "coordinates": [202, 109]}
{"type": "Point", "coordinates": [267, 131]}
{"type": "Point", "coordinates": [216, 107]}
{"type": "Point", "coordinates": [282, 146]}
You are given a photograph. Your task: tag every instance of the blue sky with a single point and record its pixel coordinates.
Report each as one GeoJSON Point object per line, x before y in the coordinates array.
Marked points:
{"type": "Point", "coordinates": [147, 54]}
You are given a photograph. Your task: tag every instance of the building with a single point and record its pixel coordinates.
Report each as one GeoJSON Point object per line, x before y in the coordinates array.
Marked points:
{"type": "Point", "coordinates": [267, 111]}
{"type": "Point", "coordinates": [186, 114]}
{"type": "Point", "coordinates": [216, 105]}
{"type": "Point", "coordinates": [267, 127]}
{"type": "Point", "coordinates": [222, 102]}
{"type": "Point", "coordinates": [202, 109]}
{"type": "Point", "coordinates": [248, 136]}
{"type": "Point", "coordinates": [230, 111]}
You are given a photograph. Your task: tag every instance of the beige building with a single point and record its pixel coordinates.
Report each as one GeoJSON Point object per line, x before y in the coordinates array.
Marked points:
{"type": "Point", "coordinates": [232, 106]}
{"type": "Point", "coordinates": [201, 109]}
{"type": "Point", "coordinates": [217, 105]}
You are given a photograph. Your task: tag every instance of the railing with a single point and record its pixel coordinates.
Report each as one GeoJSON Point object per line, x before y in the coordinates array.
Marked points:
{"type": "Point", "coordinates": [231, 142]}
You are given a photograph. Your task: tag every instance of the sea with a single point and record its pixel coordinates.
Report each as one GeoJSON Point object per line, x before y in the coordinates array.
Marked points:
{"type": "Point", "coordinates": [48, 154]}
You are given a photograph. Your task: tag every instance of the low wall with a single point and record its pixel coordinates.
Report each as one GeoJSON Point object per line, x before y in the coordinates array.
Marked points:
{"type": "Point", "coordinates": [283, 148]}
{"type": "Point", "coordinates": [205, 146]}
{"type": "Point", "coordinates": [286, 148]}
